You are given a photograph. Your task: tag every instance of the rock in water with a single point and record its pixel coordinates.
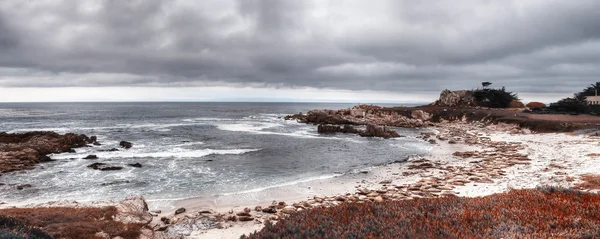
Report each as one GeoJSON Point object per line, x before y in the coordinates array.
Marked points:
{"type": "Point", "coordinates": [91, 156]}
{"type": "Point", "coordinates": [379, 131]}
{"type": "Point", "coordinates": [135, 165]}
{"type": "Point", "coordinates": [126, 144]}
{"type": "Point", "coordinates": [103, 167]}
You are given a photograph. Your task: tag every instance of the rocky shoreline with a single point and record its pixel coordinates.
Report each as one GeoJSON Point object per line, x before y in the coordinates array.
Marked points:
{"type": "Point", "coordinates": [479, 156]}
{"type": "Point", "coordinates": [24, 151]}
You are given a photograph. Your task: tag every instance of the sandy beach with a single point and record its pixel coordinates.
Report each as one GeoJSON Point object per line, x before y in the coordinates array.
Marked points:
{"type": "Point", "coordinates": [467, 160]}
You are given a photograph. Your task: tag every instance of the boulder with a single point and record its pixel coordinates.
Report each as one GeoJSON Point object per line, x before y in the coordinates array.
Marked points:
{"type": "Point", "coordinates": [103, 167]}
{"type": "Point", "coordinates": [125, 144]}
{"type": "Point", "coordinates": [456, 99]}
{"type": "Point", "coordinates": [269, 210]}
{"type": "Point", "coordinates": [23, 186]}
{"type": "Point", "coordinates": [91, 156]}
{"type": "Point", "coordinates": [379, 131]}
{"type": "Point", "coordinates": [420, 115]}
{"type": "Point", "coordinates": [179, 211]}
{"type": "Point", "coordinates": [135, 165]}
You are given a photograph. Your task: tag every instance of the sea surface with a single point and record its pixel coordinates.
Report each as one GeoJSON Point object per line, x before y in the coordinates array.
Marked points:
{"type": "Point", "coordinates": [189, 150]}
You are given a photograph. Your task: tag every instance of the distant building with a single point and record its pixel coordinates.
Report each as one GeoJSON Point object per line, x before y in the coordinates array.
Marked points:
{"type": "Point", "coordinates": [593, 100]}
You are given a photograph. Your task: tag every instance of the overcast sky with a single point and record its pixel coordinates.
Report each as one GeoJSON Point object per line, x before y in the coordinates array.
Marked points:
{"type": "Point", "coordinates": [303, 50]}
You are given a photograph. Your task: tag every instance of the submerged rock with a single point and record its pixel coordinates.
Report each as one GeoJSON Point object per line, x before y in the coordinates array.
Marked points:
{"type": "Point", "coordinates": [135, 165]}
{"type": "Point", "coordinates": [103, 167]}
{"type": "Point", "coordinates": [91, 156]}
{"type": "Point", "coordinates": [125, 144]}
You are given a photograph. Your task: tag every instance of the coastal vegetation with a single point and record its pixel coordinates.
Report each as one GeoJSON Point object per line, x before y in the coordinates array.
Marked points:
{"type": "Point", "coordinates": [544, 212]}
{"type": "Point", "coordinates": [577, 104]}
{"type": "Point", "coordinates": [64, 222]}
{"type": "Point", "coordinates": [495, 98]}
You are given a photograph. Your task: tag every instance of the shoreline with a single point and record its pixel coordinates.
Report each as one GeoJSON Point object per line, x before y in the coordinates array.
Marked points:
{"type": "Point", "coordinates": [519, 160]}
{"type": "Point", "coordinates": [467, 159]}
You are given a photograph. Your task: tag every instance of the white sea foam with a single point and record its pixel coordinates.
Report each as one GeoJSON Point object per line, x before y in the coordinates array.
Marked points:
{"type": "Point", "coordinates": [173, 153]}
{"type": "Point", "coordinates": [247, 127]}
{"type": "Point", "coordinates": [255, 190]}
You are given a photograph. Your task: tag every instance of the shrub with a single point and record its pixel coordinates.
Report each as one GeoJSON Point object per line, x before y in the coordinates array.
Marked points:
{"type": "Point", "coordinates": [570, 105]}
{"type": "Point", "coordinates": [535, 104]}
{"type": "Point", "coordinates": [516, 104]}
{"type": "Point", "coordinates": [494, 98]}
{"type": "Point", "coordinates": [65, 222]}
{"type": "Point", "coordinates": [530, 213]}
{"type": "Point", "coordinates": [12, 228]}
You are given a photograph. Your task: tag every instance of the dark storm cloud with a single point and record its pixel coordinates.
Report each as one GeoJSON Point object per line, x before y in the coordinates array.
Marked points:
{"type": "Point", "coordinates": [531, 45]}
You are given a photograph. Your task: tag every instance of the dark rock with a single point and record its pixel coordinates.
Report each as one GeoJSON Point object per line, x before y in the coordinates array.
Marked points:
{"type": "Point", "coordinates": [71, 151]}
{"type": "Point", "coordinates": [23, 186]}
{"type": "Point", "coordinates": [115, 183]}
{"type": "Point", "coordinates": [135, 165]}
{"type": "Point", "coordinates": [108, 150]}
{"type": "Point", "coordinates": [91, 156]}
{"type": "Point", "coordinates": [165, 220]}
{"type": "Point", "coordinates": [93, 139]}
{"type": "Point", "coordinates": [328, 129]}
{"type": "Point", "coordinates": [96, 143]}
{"type": "Point", "coordinates": [269, 210]}
{"type": "Point", "coordinates": [125, 144]}
{"type": "Point", "coordinates": [245, 218]}
{"type": "Point", "coordinates": [103, 167]}
{"type": "Point", "coordinates": [179, 211]}
{"type": "Point", "coordinates": [243, 214]}
{"type": "Point", "coordinates": [379, 131]}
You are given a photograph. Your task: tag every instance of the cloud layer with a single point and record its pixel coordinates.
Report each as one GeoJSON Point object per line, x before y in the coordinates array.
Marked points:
{"type": "Point", "coordinates": [385, 45]}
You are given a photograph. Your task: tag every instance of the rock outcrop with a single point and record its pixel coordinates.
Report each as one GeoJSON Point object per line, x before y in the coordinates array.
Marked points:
{"type": "Point", "coordinates": [379, 131]}
{"type": "Point", "coordinates": [125, 144]}
{"type": "Point", "coordinates": [459, 98]}
{"type": "Point", "coordinates": [21, 151]}
{"type": "Point", "coordinates": [371, 130]}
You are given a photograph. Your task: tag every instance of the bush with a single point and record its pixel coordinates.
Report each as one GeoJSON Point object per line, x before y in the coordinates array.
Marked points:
{"type": "Point", "coordinates": [516, 104]}
{"type": "Point", "coordinates": [12, 228]}
{"type": "Point", "coordinates": [65, 222]}
{"type": "Point", "coordinates": [530, 213]}
{"type": "Point", "coordinates": [535, 104]}
{"type": "Point", "coordinates": [494, 98]}
{"type": "Point", "coordinates": [569, 105]}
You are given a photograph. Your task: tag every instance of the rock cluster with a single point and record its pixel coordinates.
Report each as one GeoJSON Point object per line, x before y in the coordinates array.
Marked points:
{"type": "Point", "coordinates": [22, 151]}
{"type": "Point", "coordinates": [375, 118]}
{"type": "Point", "coordinates": [460, 98]}
{"type": "Point", "coordinates": [370, 131]}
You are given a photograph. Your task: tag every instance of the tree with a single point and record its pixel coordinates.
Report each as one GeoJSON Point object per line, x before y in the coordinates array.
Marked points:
{"type": "Point", "coordinates": [589, 91]}
{"type": "Point", "coordinates": [486, 84]}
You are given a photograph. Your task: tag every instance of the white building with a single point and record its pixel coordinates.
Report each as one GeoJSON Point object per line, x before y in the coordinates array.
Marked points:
{"type": "Point", "coordinates": [593, 100]}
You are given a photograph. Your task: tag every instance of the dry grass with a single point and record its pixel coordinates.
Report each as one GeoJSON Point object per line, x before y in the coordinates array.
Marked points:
{"type": "Point", "coordinates": [533, 213]}
{"type": "Point", "coordinates": [589, 181]}
{"type": "Point", "coordinates": [65, 222]}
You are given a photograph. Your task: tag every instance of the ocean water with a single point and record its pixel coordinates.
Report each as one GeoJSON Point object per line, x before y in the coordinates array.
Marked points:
{"type": "Point", "coordinates": [189, 150]}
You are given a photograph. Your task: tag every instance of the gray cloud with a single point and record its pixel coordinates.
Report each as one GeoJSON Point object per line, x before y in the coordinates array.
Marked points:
{"type": "Point", "coordinates": [531, 45]}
